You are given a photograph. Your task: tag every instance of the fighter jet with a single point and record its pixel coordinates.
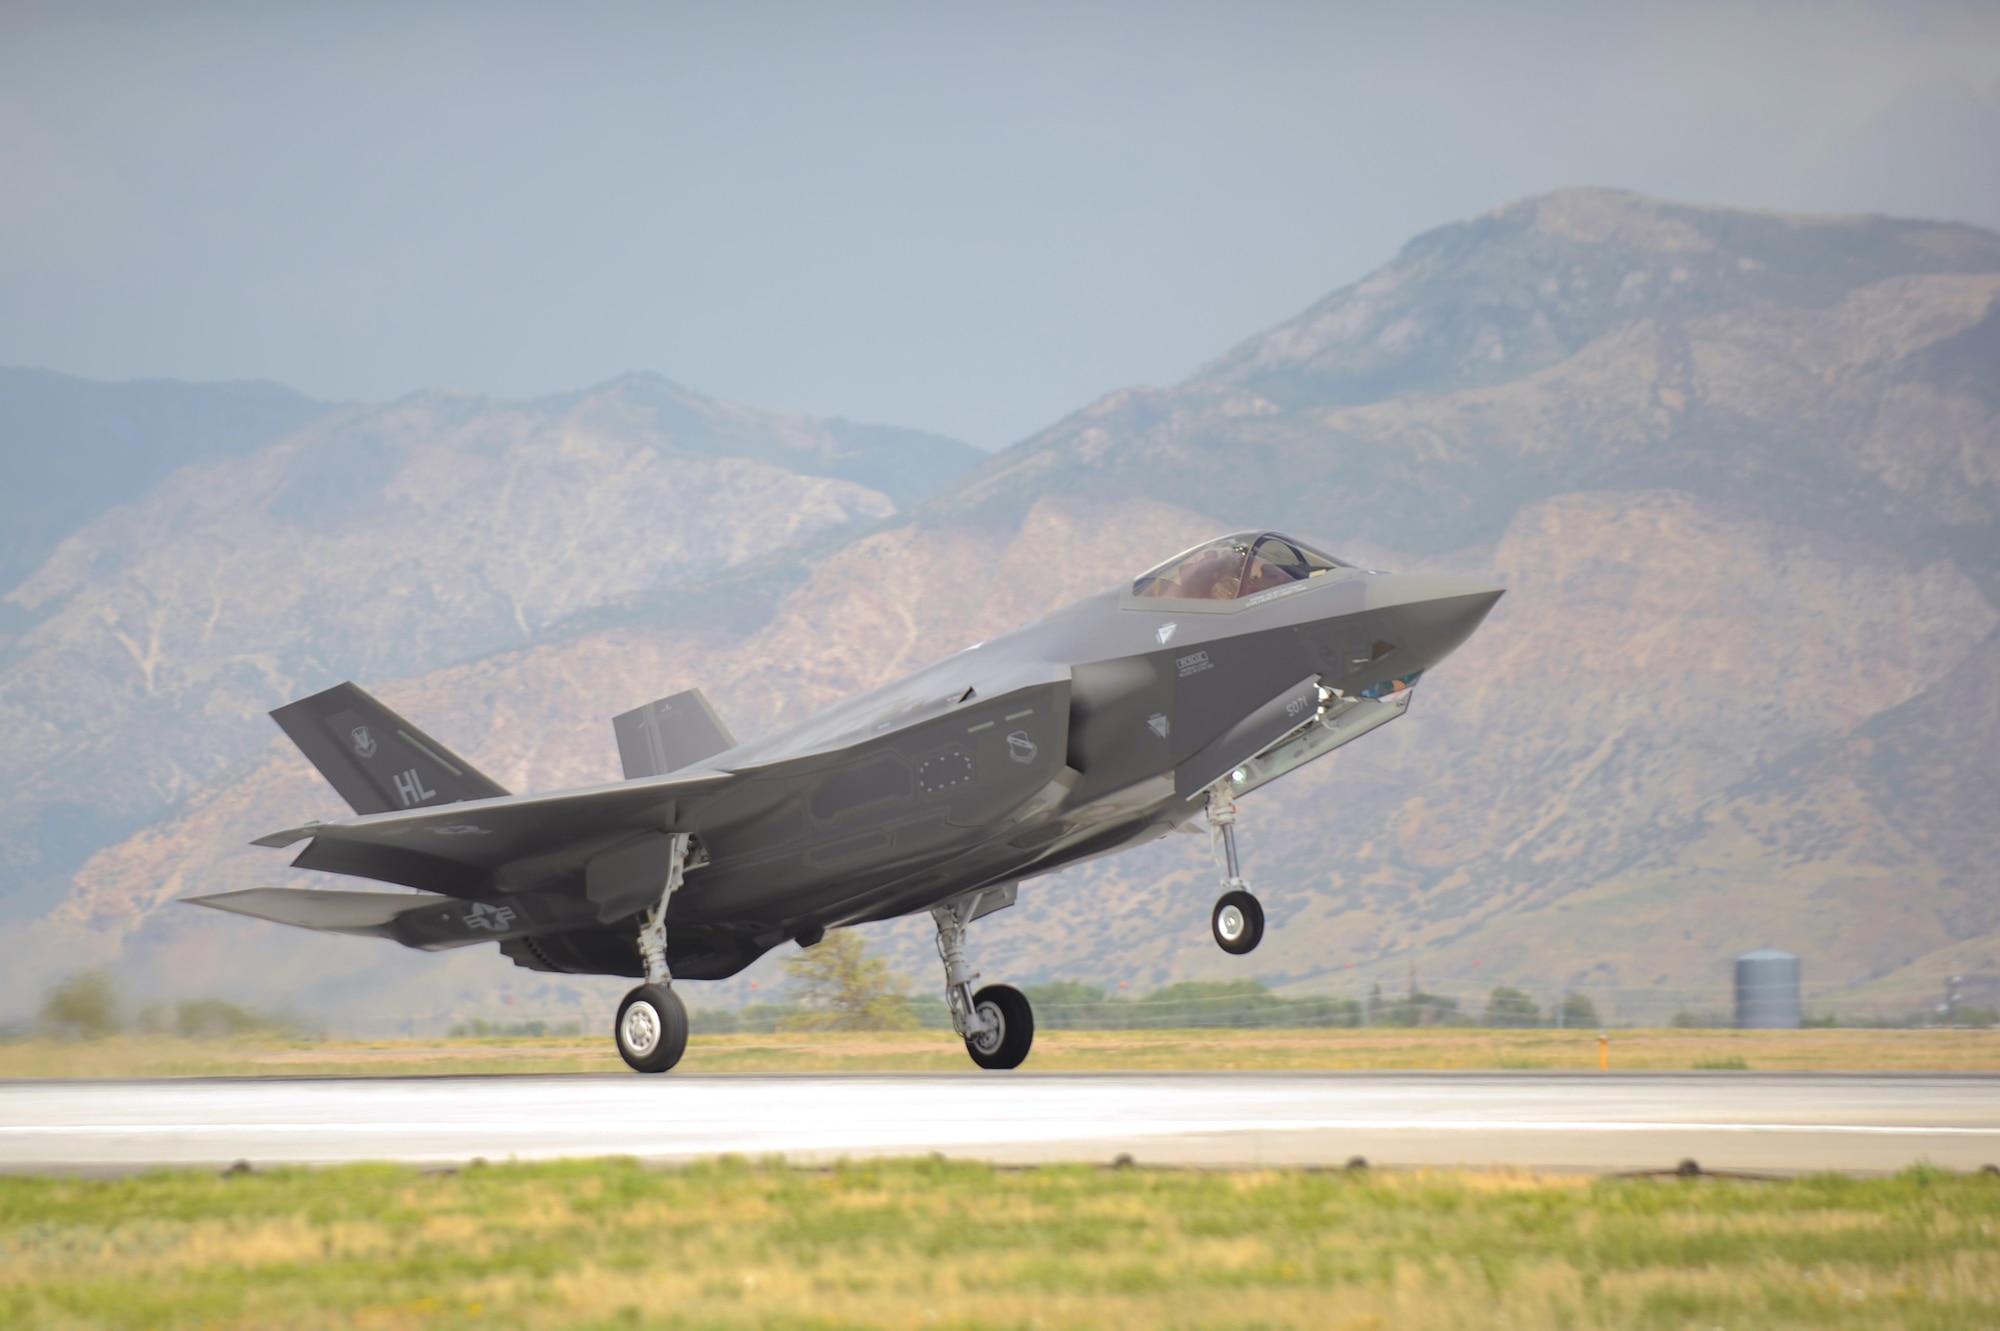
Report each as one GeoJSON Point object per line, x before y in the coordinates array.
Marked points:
{"type": "Point", "coordinates": [1109, 723]}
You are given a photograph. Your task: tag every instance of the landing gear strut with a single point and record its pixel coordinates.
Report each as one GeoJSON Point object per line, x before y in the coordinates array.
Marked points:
{"type": "Point", "coordinates": [997, 1023]}
{"type": "Point", "coordinates": [652, 1025]}
{"type": "Point", "coordinates": [1238, 919]}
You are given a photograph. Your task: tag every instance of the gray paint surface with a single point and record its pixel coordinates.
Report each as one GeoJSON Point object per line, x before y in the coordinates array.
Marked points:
{"type": "Point", "coordinates": [1780, 1122]}
{"type": "Point", "coordinates": [670, 734]}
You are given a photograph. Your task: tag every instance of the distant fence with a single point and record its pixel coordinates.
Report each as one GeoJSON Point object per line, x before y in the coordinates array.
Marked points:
{"type": "Point", "coordinates": [1245, 1004]}
{"type": "Point", "coordinates": [1250, 1005]}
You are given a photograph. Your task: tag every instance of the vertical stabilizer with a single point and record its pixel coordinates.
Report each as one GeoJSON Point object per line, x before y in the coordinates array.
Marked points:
{"type": "Point", "coordinates": [670, 734]}
{"type": "Point", "coordinates": [376, 760]}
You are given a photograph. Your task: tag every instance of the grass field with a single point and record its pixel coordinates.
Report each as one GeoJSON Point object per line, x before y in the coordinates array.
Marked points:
{"type": "Point", "coordinates": [926, 1244]}
{"type": "Point", "coordinates": [925, 1051]}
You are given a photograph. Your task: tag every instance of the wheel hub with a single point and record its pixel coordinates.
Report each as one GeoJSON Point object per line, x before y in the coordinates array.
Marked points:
{"type": "Point", "coordinates": [988, 1040]}
{"type": "Point", "coordinates": [641, 1029]}
{"type": "Point", "coordinates": [1229, 923]}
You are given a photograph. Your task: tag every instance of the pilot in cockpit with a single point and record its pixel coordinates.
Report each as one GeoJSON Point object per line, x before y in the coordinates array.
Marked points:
{"type": "Point", "coordinates": [1212, 575]}
{"type": "Point", "coordinates": [1235, 567]}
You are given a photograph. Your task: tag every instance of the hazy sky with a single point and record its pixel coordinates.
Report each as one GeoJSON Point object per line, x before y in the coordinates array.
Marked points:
{"type": "Point", "coordinates": [967, 218]}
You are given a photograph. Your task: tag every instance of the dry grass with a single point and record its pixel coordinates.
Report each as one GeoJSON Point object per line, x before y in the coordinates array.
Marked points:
{"type": "Point", "coordinates": [935, 1244]}
{"type": "Point", "coordinates": [938, 1051]}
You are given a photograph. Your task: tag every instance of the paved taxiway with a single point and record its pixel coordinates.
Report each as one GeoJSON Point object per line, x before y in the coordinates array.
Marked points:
{"type": "Point", "coordinates": [1549, 1121]}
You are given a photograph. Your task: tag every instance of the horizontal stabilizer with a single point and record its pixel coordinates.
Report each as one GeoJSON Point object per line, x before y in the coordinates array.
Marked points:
{"type": "Point", "coordinates": [365, 913]}
{"type": "Point", "coordinates": [425, 920]}
{"type": "Point", "coordinates": [376, 760]}
{"type": "Point", "coordinates": [669, 735]}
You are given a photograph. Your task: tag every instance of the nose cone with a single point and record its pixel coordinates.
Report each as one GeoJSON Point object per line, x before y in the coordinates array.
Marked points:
{"type": "Point", "coordinates": [1433, 612]}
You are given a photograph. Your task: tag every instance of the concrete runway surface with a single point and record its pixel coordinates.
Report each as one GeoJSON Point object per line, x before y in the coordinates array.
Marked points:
{"type": "Point", "coordinates": [1728, 1121]}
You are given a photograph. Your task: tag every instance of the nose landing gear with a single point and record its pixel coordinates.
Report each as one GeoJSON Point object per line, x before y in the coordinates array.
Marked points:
{"type": "Point", "coordinates": [1238, 919]}
{"type": "Point", "coordinates": [1237, 923]}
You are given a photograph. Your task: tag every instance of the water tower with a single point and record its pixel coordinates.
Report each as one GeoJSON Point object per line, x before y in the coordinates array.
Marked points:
{"type": "Point", "coordinates": [1767, 990]}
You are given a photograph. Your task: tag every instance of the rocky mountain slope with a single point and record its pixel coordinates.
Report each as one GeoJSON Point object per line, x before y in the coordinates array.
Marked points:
{"type": "Point", "coordinates": [1741, 474]}
{"type": "Point", "coordinates": [74, 448]}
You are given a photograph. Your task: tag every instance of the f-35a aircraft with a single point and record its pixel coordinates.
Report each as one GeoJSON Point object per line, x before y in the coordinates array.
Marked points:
{"type": "Point", "coordinates": [1108, 723]}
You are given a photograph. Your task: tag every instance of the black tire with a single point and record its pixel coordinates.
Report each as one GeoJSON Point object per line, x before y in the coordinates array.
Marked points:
{"type": "Point", "coordinates": [1008, 1045]}
{"type": "Point", "coordinates": [652, 1028]}
{"type": "Point", "coordinates": [1237, 923]}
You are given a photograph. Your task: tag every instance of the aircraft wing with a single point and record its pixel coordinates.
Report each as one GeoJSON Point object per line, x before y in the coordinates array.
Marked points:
{"type": "Point", "coordinates": [477, 847]}
{"type": "Point", "coordinates": [608, 844]}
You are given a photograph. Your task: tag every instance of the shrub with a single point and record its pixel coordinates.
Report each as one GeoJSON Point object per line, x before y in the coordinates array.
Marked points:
{"type": "Point", "coordinates": [1066, 1005]}
{"type": "Point", "coordinates": [1416, 1008]}
{"type": "Point", "coordinates": [216, 1017]}
{"type": "Point", "coordinates": [1979, 1018]}
{"type": "Point", "coordinates": [1189, 1004]}
{"type": "Point", "coordinates": [1507, 1006]}
{"type": "Point", "coordinates": [479, 1029]}
{"type": "Point", "coordinates": [83, 1006]}
{"type": "Point", "coordinates": [1578, 1012]}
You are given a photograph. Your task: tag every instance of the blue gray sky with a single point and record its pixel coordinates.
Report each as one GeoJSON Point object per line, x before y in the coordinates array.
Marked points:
{"type": "Point", "coordinates": [971, 218]}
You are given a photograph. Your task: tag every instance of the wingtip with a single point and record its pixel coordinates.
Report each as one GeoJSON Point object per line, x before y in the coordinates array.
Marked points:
{"type": "Point", "coordinates": [279, 840]}
{"type": "Point", "coordinates": [214, 900]}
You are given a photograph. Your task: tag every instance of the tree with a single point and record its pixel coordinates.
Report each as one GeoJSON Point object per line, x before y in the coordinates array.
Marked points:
{"type": "Point", "coordinates": [1507, 1006]}
{"type": "Point", "coordinates": [845, 989]}
{"type": "Point", "coordinates": [1074, 1005]}
{"type": "Point", "coordinates": [212, 1018]}
{"type": "Point", "coordinates": [83, 1005]}
{"type": "Point", "coordinates": [1415, 1008]}
{"type": "Point", "coordinates": [1197, 1003]}
{"type": "Point", "coordinates": [1578, 1012]}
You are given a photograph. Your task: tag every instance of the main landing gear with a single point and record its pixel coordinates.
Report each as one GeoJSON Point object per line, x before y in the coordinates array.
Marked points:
{"type": "Point", "coordinates": [652, 1028]}
{"type": "Point", "coordinates": [1238, 919]}
{"type": "Point", "coordinates": [996, 1023]}
{"type": "Point", "coordinates": [652, 1025]}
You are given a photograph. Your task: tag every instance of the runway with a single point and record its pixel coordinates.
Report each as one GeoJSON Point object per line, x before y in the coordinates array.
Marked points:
{"type": "Point", "coordinates": [1604, 1122]}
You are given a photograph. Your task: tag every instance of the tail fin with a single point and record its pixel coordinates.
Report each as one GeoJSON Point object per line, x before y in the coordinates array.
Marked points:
{"type": "Point", "coordinates": [670, 734]}
{"type": "Point", "coordinates": [376, 760]}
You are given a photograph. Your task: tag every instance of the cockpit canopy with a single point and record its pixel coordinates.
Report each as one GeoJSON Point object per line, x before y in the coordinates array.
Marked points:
{"type": "Point", "coordinates": [1236, 566]}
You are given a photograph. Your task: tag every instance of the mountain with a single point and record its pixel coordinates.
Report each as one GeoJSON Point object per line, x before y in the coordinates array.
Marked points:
{"type": "Point", "coordinates": [378, 543]}
{"type": "Point", "coordinates": [70, 449]}
{"type": "Point", "coordinates": [1830, 372]}
{"type": "Point", "coordinates": [1741, 475]}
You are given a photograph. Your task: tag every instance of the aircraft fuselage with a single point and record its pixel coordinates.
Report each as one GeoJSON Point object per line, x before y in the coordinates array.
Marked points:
{"type": "Point", "coordinates": [1055, 743]}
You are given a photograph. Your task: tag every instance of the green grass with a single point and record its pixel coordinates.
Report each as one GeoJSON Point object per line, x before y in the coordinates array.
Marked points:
{"type": "Point", "coordinates": [611, 1243]}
